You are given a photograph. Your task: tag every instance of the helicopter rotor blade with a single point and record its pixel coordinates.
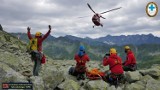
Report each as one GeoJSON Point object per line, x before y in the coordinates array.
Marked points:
{"type": "Point", "coordinates": [91, 8]}
{"type": "Point", "coordinates": [84, 16]}
{"type": "Point", "coordinates": [102, 17]}
{"type": "Point", "coordinates": [111, 10]}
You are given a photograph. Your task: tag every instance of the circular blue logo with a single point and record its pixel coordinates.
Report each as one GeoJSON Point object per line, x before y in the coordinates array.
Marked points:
{"type": "Point", "coordinates": [151, 9]}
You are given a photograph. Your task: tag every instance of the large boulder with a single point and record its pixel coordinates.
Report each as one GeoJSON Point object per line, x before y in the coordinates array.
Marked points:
{"type": "Point", "coordinates": [38, 83]}
{"type": "Point", "coordinates": [153, 85]}
{"type": "Point", "coordinates": [18, 62]}
{"type": "Point", "coordinates": [69, 85]}
{"type": "Point", "coordinates": [145, 78]}
{"type": "Point", "coordinates": [134, 86]}
{"type": "Point", "coordinates": [153, 72]}
{"type": "Point", "coordinates": [52, 79]}
{"type": "Point", "coordinates": [114, 88]}
{"type": "Point", "coordinates": [97, 85]}
{"type": "Point", "coordinates": [133, 76]}
{"type": "Point", "coordinates": [10, 75]}
{"type": "Point", "coordinates": [156, 66]}
{"type": "Point", "coordinates": [7, 74]}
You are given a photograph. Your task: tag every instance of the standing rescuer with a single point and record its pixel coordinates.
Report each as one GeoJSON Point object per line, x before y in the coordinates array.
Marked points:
{"type": "Point", "coordinates": [130, 62]}
{"type": "Point", "coordinates": [35, 49]}
{"type": "Point", "coordinates": [115, 65]}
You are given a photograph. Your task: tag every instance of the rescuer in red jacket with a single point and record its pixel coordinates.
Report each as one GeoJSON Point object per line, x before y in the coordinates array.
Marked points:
{"type": "Point", "coordinates": [81, 59]}
{"type": "Point", "coordinates": [130, 62]}
{"type": "Point", "coordinates": [37, 55]}
{"type": "Point", "coordinates": [39, 36]}
{"type": "Point", "coordinates": [115, 65]}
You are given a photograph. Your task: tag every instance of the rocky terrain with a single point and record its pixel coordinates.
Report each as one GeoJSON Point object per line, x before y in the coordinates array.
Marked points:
{"type": "Point", "coordinates": [16, 66]}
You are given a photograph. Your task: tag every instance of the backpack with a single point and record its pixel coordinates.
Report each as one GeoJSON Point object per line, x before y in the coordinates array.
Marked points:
{"type": "Point", "coordinates": [33, 45]}
{"type": "Point", "coordinates": [72, 71]}
{"type": "Point", "coordinates": [43, 61]}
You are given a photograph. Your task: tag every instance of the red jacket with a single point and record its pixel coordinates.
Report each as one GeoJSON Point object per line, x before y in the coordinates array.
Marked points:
{"type": "Point", "coordinates": [130, 59]}
{"type": "Point", "coordinates": [40, 40]}
{"type": "Point", "coordinates": [81, 61]}
{"type": "Point", "coordinates": [115, 64]}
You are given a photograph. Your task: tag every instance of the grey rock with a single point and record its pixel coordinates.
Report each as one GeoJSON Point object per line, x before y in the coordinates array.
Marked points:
{"type": "Point", "coordinates": [153, 72]}
{"type": "Point", "coordinates": [145, 78]}
{"type": "Point", "coordinates": [52, 79]}
{"type": "Point", "coordinates": [153, 85]}
{"type": "Point", "coordinates": [69, 85]}
{"type": "Point", "coordinates": [27, 73]}
{"type": "Point", "coordinates": [10, 75]}
{"type": "Point", "coordinates": [38, 83]}
{"type": "Point", "coordinates": [133, 76]}
{"type": "Point", "coordinates": [114, 88]}
{"type": "Point", "coordinates": [134, 86]}
{"type": "Point", "coordinates": [97, 85]}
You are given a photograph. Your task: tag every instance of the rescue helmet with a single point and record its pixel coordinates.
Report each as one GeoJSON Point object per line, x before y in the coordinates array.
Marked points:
{"type": "Point", "coordinates": [126, 47]}
{"type": "Point", "coordinates": [112, 51]}
{"type": "Point", "coordinates": [38, 34]}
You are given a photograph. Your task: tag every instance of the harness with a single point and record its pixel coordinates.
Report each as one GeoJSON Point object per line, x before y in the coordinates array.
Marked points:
{"type": "Point", "coordinates": [80, 67]}
{"type": "Point", "coordinates": [36, 55]}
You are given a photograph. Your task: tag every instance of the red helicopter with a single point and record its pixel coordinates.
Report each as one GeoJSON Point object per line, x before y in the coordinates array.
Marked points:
{"type": "Point", "coordinates": [96, 17]}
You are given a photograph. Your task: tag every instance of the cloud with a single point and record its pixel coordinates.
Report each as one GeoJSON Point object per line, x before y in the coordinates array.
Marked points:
{"type": "Point", "coordinates": [17, 15]}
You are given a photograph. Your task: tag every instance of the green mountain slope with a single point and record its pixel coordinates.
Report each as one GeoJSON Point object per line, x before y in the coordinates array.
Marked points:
{"type": "Point", "coordinates": [64, 48]}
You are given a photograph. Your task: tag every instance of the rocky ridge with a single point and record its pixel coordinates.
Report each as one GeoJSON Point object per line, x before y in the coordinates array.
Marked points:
{"type": "Point", "coordinates": [16, 66]}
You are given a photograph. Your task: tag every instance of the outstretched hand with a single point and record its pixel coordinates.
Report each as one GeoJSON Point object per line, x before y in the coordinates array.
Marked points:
{"type": "Point", "coordinates": [28, 28]}
{"type": "Point", "coordinates": [49, 26]}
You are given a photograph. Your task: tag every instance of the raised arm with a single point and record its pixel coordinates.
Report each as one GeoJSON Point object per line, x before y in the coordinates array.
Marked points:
{"type": "Point", "coordinates": [28, 33]}
{"type": "Point", "coordinates": [47, 34]}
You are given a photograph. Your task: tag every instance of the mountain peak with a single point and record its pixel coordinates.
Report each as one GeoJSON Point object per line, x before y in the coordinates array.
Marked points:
{"type": "Point", "coordinates": [71, 36]}
{"type": "Point", "coordinates": [150, 34]}
{"type": "Point", "coordinates": [136, 39]}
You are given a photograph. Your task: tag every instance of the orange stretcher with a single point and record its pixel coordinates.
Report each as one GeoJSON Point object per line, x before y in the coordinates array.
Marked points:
{"type": "Point", "coordinates": [95, 74]}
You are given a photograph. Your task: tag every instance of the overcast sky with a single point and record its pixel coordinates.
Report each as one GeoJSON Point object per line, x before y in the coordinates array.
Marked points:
{"type": "Point", "coordinates": [62, 15]}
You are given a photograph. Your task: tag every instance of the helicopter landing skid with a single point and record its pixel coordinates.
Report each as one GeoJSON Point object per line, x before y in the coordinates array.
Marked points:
{"type": "Point", "coordinates": [101, 25]}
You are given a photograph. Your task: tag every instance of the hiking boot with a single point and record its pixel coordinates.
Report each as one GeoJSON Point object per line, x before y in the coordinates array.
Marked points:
{"type": "Point", "coordinates": [78, 77]}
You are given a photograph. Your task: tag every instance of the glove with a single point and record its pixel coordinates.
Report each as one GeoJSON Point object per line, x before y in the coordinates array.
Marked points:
{"type": "Point", "coordinates": [49, 26]}
{"type": "Point", "coordinates": [28, 28]}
